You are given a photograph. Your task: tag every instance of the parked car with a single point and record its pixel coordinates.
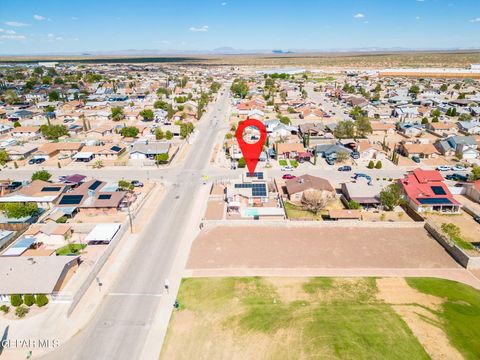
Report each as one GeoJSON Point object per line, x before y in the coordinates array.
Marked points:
{"type": "Point", "coordinates": [459, 168]}
{"type": "Point", "coordinates": [36, 161]}
{"type": "Point", "coordinates": [355, 155]}
{"type": "Point", "coordinates": [456, 177]}
{"type": "Point", "coordinates": [345, 168]}
{"type": "Point", "coordinates": [477, 218]}
{"type": "Point", "coordinates": [136, 183]}
{"type": "Point", "coordinates": [416, 159]}
{"type": "Point", "coordinates": [288, 177]}
{"type": "Point", "coordinates": [444, 168]}
{"type": "Point", "coordinates": [330, 161]}
{"type": "Point", "coordinates": [287, 168]}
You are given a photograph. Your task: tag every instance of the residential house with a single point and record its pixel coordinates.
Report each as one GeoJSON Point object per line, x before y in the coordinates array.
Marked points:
{"type": "Point", "coordinates": [288, 150]}
{"type": "Point", "coordinates": [469, 127]}
{"type": "Point", "coordinates": [410, 130]}
{"type": "Point", "coordinates": [21, 152]}
{"type": "Point", "coordinates": [148, 150]}
{"type": "Point", "coordinates": [461, 146]}
{"type": "Point", "coordinates": [425, 191]}
{"type": "Point", "coordinates": [50, 150]}
{"type": "Point", "coordinates": [442, 129]}
{"type": "Point", "coordinates": [422, 151]}
{"type": "Point", "coordinates": [296, 187]}
{"type": "Point", "coordinates": [26, 132]}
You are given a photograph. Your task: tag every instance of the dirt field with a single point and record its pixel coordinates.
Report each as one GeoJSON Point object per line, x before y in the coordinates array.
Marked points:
{"type": "Point", "coordinates": [314, 247]}
{"type": "Point", "coordinates": [312, 318]}
{"type": "Point", "coordinates": [470, 228]}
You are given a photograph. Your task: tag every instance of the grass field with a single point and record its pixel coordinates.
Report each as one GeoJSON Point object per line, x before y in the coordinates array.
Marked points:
{"type": "Point", "coordinates": [324, 318]}
{"type": "Point", "coordinates": [70, 249]}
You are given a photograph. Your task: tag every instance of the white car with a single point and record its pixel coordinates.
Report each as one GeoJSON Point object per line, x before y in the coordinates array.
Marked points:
{"type": "Point", "coordinates": [444, 168]}
{"type": "Point", "coordinates": [458, 168]}
{"type": "Point", "coordinates": [287, 168]}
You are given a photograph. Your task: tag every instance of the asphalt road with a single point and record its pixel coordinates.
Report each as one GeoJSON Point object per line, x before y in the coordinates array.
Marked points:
{"type": "Point", "coordinates": [121, 323]}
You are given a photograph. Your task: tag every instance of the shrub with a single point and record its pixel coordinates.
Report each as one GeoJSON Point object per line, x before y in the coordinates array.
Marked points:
{"type": "Point", "coordinates": [29, 299]}
{"type": "Point", "coordinates": [353, 205]}
{"type": "Point", "coordinates": [41, 300]}
{"type": "Point", "coordinates": [378, 165]}
{"type": "Point", "coordinates": [16, 300]}
{"type": "Point", "coordinates": [371, 164]}
{"type": "Point", "coordinates": [5, 309]}
{"type": "Point", "coordinates": [61, 220]}
{"type": "Point", "coordinates": [21, 311]}
{"type": "Point", "coordinates": [43, 175]}
{"type": "Point", "coordinates": [241, 163]}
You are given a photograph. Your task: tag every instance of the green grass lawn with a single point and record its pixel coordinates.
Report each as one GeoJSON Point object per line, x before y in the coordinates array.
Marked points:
{"type": "Point", "coordinates": [282, 162]}
{"type": "Point", "coordinates": [296, 212]}
{"type": "Point", "coordinates": [294, 163]}
{"type": "Point", "coordinates": [326, 319]}
{"type": "Point", "coordinates": [70, 249]}
{"type": "Point", "coordinates": [460, 312]}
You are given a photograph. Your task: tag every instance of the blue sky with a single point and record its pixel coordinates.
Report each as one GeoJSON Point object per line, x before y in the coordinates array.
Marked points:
{"type": "Point", "coordinates": [56, 26]}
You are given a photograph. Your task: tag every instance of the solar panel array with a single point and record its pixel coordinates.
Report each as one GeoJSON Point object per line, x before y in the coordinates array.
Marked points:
{"type": "Point", "coordinates": [51, 188]}
{"type": "Point", "coordinates": [434, 201]}
{"type": "Point", "coordinates": [438, 190]}
{"type": "Point", "coordinates": [258, 175]}
{"type": "Point", "coordinates": [95, 185]}
{"type": "Point", "coordinates": [71, 199]}
{"type": "Point", "coordinates": [115, 148]}
{"type": "Point", "coordinates": [104, 197]}
{"type": "Point", "coordinates": [257, 189]}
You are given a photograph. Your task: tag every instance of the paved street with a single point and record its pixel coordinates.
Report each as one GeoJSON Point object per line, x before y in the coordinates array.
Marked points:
{"type": "Point", "coordinates": [122, 322]}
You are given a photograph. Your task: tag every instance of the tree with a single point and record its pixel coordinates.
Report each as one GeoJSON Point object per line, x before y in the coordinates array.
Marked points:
{"type": "Point", "coordinates": [169, 135]}
{"type": "Point", "coordinates": [49, 109]}
{"type": "Point", "coordinates": [371, 164]}
{"type": "Point", "coordinates": [129, 131]}
{"type": "Point", "coordinates": [414, 89]}
{"type": "Point", "coordinates": [41, 300]}
{"type": "Point", "coordinates": [147, 114]}
{"type": "Point", "coordinates": [16, 300]}
{"type": "Point", "coordinates": [378, 165]}
{"type": "Point", "coordinates": [390, 196]}
{"type": "Point", "coordinates": [353, 205]}
{"type": "Point", "coordinates": [241, 163]}
{"type": "Point", "coordinates": [53, 96]}
{"type": "Point", "coordinates": [363, 126]}
{"type": "Point", "coordinates": [475, 175]}
{"type": "Point", "coordinates": [29, 299]}
{"type": "Point", "coordinates": [345, 129]}
{"type": "Point", "coordinates": [125, 185]}
{"type": "Point", "coordinates": [162, 158]}
{"type": "Point", "coordinates": [357, 112]}
{"type": "Point", "coordinates": [160, 104]}
{"type": "Point", "coordinates": [53, 132]}
{"type": "Point", "coordinates": [315, 200]}
{"type": "Point", "coordinates": [46, 80]}
{"type": "Point", "coordinates": [284, 120]}
{"type": "Point", "coordinates": [19, 210]}
{"type": "Point", "coordinates": [163, 91]}
{"type": "Point", "coordinates": [4, 158]}
{"type": "Point", "coordinates": [159, 134]}
{"type": "Point", "coordinates": [5, 308]}
{"type": "Point", "coordinates": [11, 96]}
{"type": "Point", "coordinates": [444, 87]}
{"type": "Point", "coordinates": [186, 129]}
{"type": "Point", "coordinates": [342, 156]}
{"type": "Point", "coordinates": [43, 175]}
{"type": "Point", "coordinates": [424, 121]}
{"type": "Point", "coordinates": [117, 113]}
{"type": "Point", "coordinates": [239, 88]}
{"type": "Point", "coordinates": [38, 71]}
{"type": "Point", "coordinates": [215, 86]}
{"type": "Point", "coordinates": [21, 311]}
{"type": "Point", "coordinates": [465, 117]}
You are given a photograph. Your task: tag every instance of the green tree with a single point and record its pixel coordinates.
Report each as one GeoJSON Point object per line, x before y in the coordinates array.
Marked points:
{"type": "Point", "coordinates": [163, 91]}
{"type": "Point", "coordinates": [444, 87]}
{"type": "Point", "coordinates": [186, 129]}
{"type": "Point", "coordinates": [4, 158]}
{"type": "Point", "coordinates": [215, 86]}
{"type": "Point", "coordinates": [390, 196]}
{"type": "Point", "coordinates": [38, 71]}
{"type": "Point", "coordinates": [46, 80]}
{"type": "Point", "coordinates": [378, 165]}
{"type": "Point", "coordinates": [160, 104]}
{"type": "Point", "coordinates": [284, 120]}
{"type": "Point", "coordinates": [353, 205]}
{"type": "Point", "coordinates": [239, 88]}
{"type": "Point", "coordinates": [125, 185]}
{"type": "Point", "coordinates": [129, 131]}
{"type": "Point", "coordinates": [345, 129]}
{"type": "Point", "coordinates": [29, 299]}
{"type": "Point", "coordinates": [363, 126]}
{"type": "Point", "coordinates": [43, 175]}
{"type": "Point", "coordinates": [159, 134]}
{"type": "Point", "coordinates": [11, 96]}
{"type": "Point", "coordinates": [41, 300]}
{"type": "Point", "coordinates": [371, 164]}
{"type": "Point", "coordinates": [414, 89]}
{"type": "Point", "coordinates": [53, 96]}
{"type": "Point", "coordinates": [117, 113]}
{"type": "Point", "coordinates": [147, 114]}
{"type": "Point", "coordinates": [161, 158]}
{"type": "Point", "coordinates": [241, 163]}
{"type": "Point", "coordinates": [16, 300]}
{"type": "Point", "coordinates": [169, 135]}
{"type": "Point", "coordinates": [475, 175]}
{"type": "Point", "coordinates": [53, 132]}
{"type": "Point", "coordinates": [465, 117]}
{"type": "Point", "coordinates": [436, 113]}
{"type": "Point", "coordinates": [424, 121]}
{"type": "Point", "coordinates": [19, 210]}
{"type": "Point", "coordinates": [21, 311]}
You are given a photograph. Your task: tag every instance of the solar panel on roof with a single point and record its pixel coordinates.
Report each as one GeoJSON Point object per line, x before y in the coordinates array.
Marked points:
{"type": "Point", "coordinates": [258, 175]}
{"type": "Point", "coordinates": [434, 201]}
{"type": "Point", "coordinates": [115, 148]}
{"type": "Point", "coordinates": [95, 185]}
{"type": "Point", "coordinates": [257, 189]}
{"type": "Point", "coordinates": [51, 188]}
{"type": "Point", "coordinates": [104, 197]}
{"type": "Point", "coordinates": [438, 190]}
{"type": "Point", "coordinates": [71, 199]}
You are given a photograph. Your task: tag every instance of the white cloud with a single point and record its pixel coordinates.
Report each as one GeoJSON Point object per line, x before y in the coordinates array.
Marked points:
{"type": "Point", "coordinates": [475, 20]}
{"type": "Point", "coordinates": [52, 37]}
{"type": "Point", "coordinates": [39, 17]}
{"type": "Point", "coordinates": [359, 16]}
{"type": "Point", "coordinates": [224, 3]}
{"type": "Point", "coordinates": [15, 24]}
{"type": "Point", "coordinates": [10, 32]}
{"type": "Point", "coordinates": [203, 28]}
{"type": "Point", "coordinates": [13, 37]}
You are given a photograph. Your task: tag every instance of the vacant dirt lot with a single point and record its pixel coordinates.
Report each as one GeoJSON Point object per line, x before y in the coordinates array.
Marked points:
{"type": "Point", "coordinates": [313, 247]}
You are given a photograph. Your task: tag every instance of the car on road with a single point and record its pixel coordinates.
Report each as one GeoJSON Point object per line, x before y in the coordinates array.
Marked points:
{"type": "Point", "coordinates": [355, 155]}
{"type": "Point", "coordinates": [36, 161]}
{"type": "Point", "coordinates": [287, 168]}
{"type": "Point", "coordinates": [456, 177]}
{"type": "Point", "coordinates": [416, 159]}
{"type": "Point", "coordinates": [345, 168]}
{"type": "Point", "coordinates": [444, 168]}
{"type": "Point", "coordinates": [136, 183]}
{"type": "Point", "coordinates": [459, 168]}
{"type": "Point", "coordinates": [288, 177]}
{"type": "Point", "coordinates": [477, 218]}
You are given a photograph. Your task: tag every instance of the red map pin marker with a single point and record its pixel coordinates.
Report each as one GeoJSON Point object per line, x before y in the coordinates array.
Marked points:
{"type": "Point", "coordinates": [251, 152]}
